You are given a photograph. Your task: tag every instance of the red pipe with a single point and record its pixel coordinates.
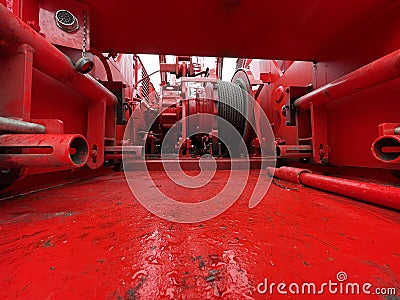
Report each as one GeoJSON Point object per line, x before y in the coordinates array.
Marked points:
{"type": "Point", "coordinates": [384, 195]}
{"type": "Point", "coordinates": [293, 151]}
{"type": "Point", "coordinates": [380, 71]}
{"type": "Point", "coordinates": [44, 150]}
{"type": "Point", "coordinates": [48, 59]}
{"type": "Point", "coordinates": [18, 126]}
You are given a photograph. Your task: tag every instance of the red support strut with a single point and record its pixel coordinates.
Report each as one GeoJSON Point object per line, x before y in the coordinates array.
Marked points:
{"type": "Point", "coordinates": [377, 72]}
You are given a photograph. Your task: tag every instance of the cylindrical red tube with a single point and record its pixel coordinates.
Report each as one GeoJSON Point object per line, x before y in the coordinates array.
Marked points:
{"type": "Point", "coordinates": [384, 195]}
{"type": "Point", "coordinates": [43, 150]}
{"type": "Point", "coordinates": [377, 72]}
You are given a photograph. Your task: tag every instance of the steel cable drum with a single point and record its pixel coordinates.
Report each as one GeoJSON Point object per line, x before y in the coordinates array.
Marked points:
{"type": "Point", "coordinates": [234, 105]}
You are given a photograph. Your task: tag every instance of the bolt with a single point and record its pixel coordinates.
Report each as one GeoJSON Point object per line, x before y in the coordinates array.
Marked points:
{"type": "Point", "coordinates": [284, 109]}
{"type": "Point", "coordinates": [321, 153]}
{"type": "Point", "coordinates": [397, 130]}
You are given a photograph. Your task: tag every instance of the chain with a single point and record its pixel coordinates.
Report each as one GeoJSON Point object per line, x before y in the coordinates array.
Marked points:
{"type": "Point", "coordinates": [84, 35]}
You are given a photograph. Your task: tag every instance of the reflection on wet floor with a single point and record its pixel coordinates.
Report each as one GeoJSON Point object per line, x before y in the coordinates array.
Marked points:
{"type": "Point", "coordinates": [94, 240]}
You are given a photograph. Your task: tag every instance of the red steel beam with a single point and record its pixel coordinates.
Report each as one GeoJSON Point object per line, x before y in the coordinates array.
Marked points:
{"type": "Point", "coordinates": [48, 59]}
{"type": "Point", "coordinates": [384, 195]}
{"type": "Point", "coordinates": [378, 72]}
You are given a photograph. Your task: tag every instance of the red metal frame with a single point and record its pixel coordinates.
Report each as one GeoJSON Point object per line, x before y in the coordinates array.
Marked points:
{"type": "Point", "coordinates": [51, 61]}
{"type": "Point", "coordinates": [333, 83]}
{"type": "Point", "coordinates": [331, 129]}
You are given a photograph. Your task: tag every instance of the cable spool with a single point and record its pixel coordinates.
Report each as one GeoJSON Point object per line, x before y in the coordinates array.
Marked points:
{"type": "Point", "coordinates": [234, 104]}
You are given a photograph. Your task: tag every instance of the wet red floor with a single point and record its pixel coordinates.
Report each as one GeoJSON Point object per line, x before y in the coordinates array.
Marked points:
{"type": "Point", "coordinates": [92, 240]}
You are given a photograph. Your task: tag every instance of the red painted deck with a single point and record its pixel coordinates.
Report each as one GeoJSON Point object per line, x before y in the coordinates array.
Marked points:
{"type": "Point", "coordinates": [92, 240]}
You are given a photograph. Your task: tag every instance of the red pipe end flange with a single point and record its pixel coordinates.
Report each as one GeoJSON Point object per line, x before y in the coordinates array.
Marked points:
{"type": "Point", "coordinates": [386, 148]}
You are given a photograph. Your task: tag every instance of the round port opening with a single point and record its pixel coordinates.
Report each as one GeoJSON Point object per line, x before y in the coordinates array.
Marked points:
{"type": "Point", "coordinates": [387, 148]}
{"type": "Point", "coordinates": [79, 151]}
{"type": "Point", "coordinates": [66, 21]}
